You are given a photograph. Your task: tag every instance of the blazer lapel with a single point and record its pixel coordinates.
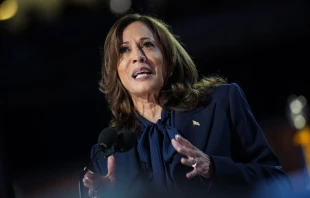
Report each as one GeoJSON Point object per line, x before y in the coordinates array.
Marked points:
{"type": "Point", "coordinates": [196, 125]}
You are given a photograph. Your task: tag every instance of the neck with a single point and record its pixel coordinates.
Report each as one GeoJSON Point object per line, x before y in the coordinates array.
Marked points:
{"type": "Point", "coordinates": [148, 107]}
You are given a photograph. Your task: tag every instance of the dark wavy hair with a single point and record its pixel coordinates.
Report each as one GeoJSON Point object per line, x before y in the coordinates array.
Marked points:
{"type": "Point", "coordinates": [182, 89]}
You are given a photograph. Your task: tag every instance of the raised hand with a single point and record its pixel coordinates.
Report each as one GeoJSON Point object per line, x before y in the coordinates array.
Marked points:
{"type": "Point", "coordinates": [200, 161]}
{"type": "Point", "coordinates": [97, 183]}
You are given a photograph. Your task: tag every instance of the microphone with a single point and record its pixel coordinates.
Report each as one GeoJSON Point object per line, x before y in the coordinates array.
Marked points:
{"type": "Point", "coordinates": [106, 141]}
{"type": "Point", "coordinates": [125, 141]}
{"type": "Point", "coordinates": [109, 142]}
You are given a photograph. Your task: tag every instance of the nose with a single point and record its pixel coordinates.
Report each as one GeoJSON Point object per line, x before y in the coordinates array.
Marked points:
{"type": "Point", "coordinates": [138, 56]}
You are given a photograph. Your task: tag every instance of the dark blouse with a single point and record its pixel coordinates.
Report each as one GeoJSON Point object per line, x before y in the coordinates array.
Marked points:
{"type": "Point", "coordinates": [155, 148]}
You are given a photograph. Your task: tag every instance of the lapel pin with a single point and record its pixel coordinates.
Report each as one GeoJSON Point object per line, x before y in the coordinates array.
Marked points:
{"type": "Point", "coordinates": [195, 123]}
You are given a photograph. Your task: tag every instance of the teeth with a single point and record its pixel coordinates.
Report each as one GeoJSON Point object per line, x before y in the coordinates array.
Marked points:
{"type": "Point", "coordinates": [141, 72]}
{"type": "Point", "coordinates": [141, 75]}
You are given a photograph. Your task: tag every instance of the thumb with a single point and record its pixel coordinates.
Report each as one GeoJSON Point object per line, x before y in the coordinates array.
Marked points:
{"type": "Point", "coordinates": [111, 165]}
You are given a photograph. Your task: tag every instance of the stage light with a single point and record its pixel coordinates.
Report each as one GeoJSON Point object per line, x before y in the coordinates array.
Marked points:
{"type": "Point", "coordinates": [8, 9]}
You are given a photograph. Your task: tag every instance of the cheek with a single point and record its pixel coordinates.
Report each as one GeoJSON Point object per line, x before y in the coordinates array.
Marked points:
{"type": "Point", "coordinates": [121, 70]}
{"type": "Point", "coordinates": [122, 78]}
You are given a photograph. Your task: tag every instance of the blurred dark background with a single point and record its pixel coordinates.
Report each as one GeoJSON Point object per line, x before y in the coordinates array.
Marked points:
{"type": "Point", "coordinates": [52, 111]}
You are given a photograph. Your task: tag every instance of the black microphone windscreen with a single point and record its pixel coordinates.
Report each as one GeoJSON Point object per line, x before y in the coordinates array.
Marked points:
{"type": "Point", "coordinates": [107, 137]}
{"type": "Point", "coordinates": [125, 141]}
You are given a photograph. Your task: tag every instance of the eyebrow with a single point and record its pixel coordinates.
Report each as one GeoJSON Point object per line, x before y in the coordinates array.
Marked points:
{"type": "Point", "coordinates": [141, 39]}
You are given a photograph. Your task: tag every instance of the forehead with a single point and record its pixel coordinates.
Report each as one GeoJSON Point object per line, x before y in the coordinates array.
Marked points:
{"type": "Point", "coordinates": [137, 30]}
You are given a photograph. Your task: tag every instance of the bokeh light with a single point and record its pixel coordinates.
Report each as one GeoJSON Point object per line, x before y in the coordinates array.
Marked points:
{"type": "Point", "coordinates": [120, 6]}
{"type": "Point", "coordinates": [8, 9]}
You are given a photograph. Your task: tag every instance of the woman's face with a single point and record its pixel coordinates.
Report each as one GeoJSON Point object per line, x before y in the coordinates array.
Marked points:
{"type": "Point", "coordinates": [141, 65]}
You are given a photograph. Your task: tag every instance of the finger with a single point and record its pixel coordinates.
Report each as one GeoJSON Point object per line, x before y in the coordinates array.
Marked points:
{"type": "Point", "coordinates": [181, 149]}
{"type": "Point", "coordinates": [192, 173]}
{"type": "Point", "coordinates": [184, 141]}
{"type": "Point", "coordinates": [92, 176]}
{"type": "Point", "coordinates": [93, 180]}
{"type": "Point", "coordinates": [88, 183]}
{"type": "Point", "coordinates": [92, 192]}
{"type": "Point", "coordinates": [188, 161]}
{"type": "Point", "coordinates": [111, 165]}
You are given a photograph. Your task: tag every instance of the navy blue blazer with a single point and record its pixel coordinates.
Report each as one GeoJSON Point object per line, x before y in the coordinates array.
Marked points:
{"type": "Point", "coordinates": [227, 132]}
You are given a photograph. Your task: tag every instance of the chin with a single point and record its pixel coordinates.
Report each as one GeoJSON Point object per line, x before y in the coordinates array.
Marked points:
{"type": "Point", "coordinates": [146, 91]}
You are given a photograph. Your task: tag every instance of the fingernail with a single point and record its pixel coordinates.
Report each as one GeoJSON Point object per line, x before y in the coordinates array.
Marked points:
{"type": "Point", "coordinates": [177, 136]}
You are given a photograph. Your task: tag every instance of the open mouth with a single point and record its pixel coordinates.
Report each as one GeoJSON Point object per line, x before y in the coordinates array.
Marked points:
{"type": "Point", "coordinates": [143, 72]}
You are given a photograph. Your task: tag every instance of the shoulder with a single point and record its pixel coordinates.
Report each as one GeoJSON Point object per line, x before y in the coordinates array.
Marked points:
{"type": "Point", "coordinates": [226, 90]}
{"type": "Point", "coordinates": [226, 94]}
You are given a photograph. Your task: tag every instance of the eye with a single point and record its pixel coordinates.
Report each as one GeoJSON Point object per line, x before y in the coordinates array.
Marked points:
{"type": "Point", "coordinates": [123, 50]}
{"type": "Point", "coordinates": [147, 44]}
